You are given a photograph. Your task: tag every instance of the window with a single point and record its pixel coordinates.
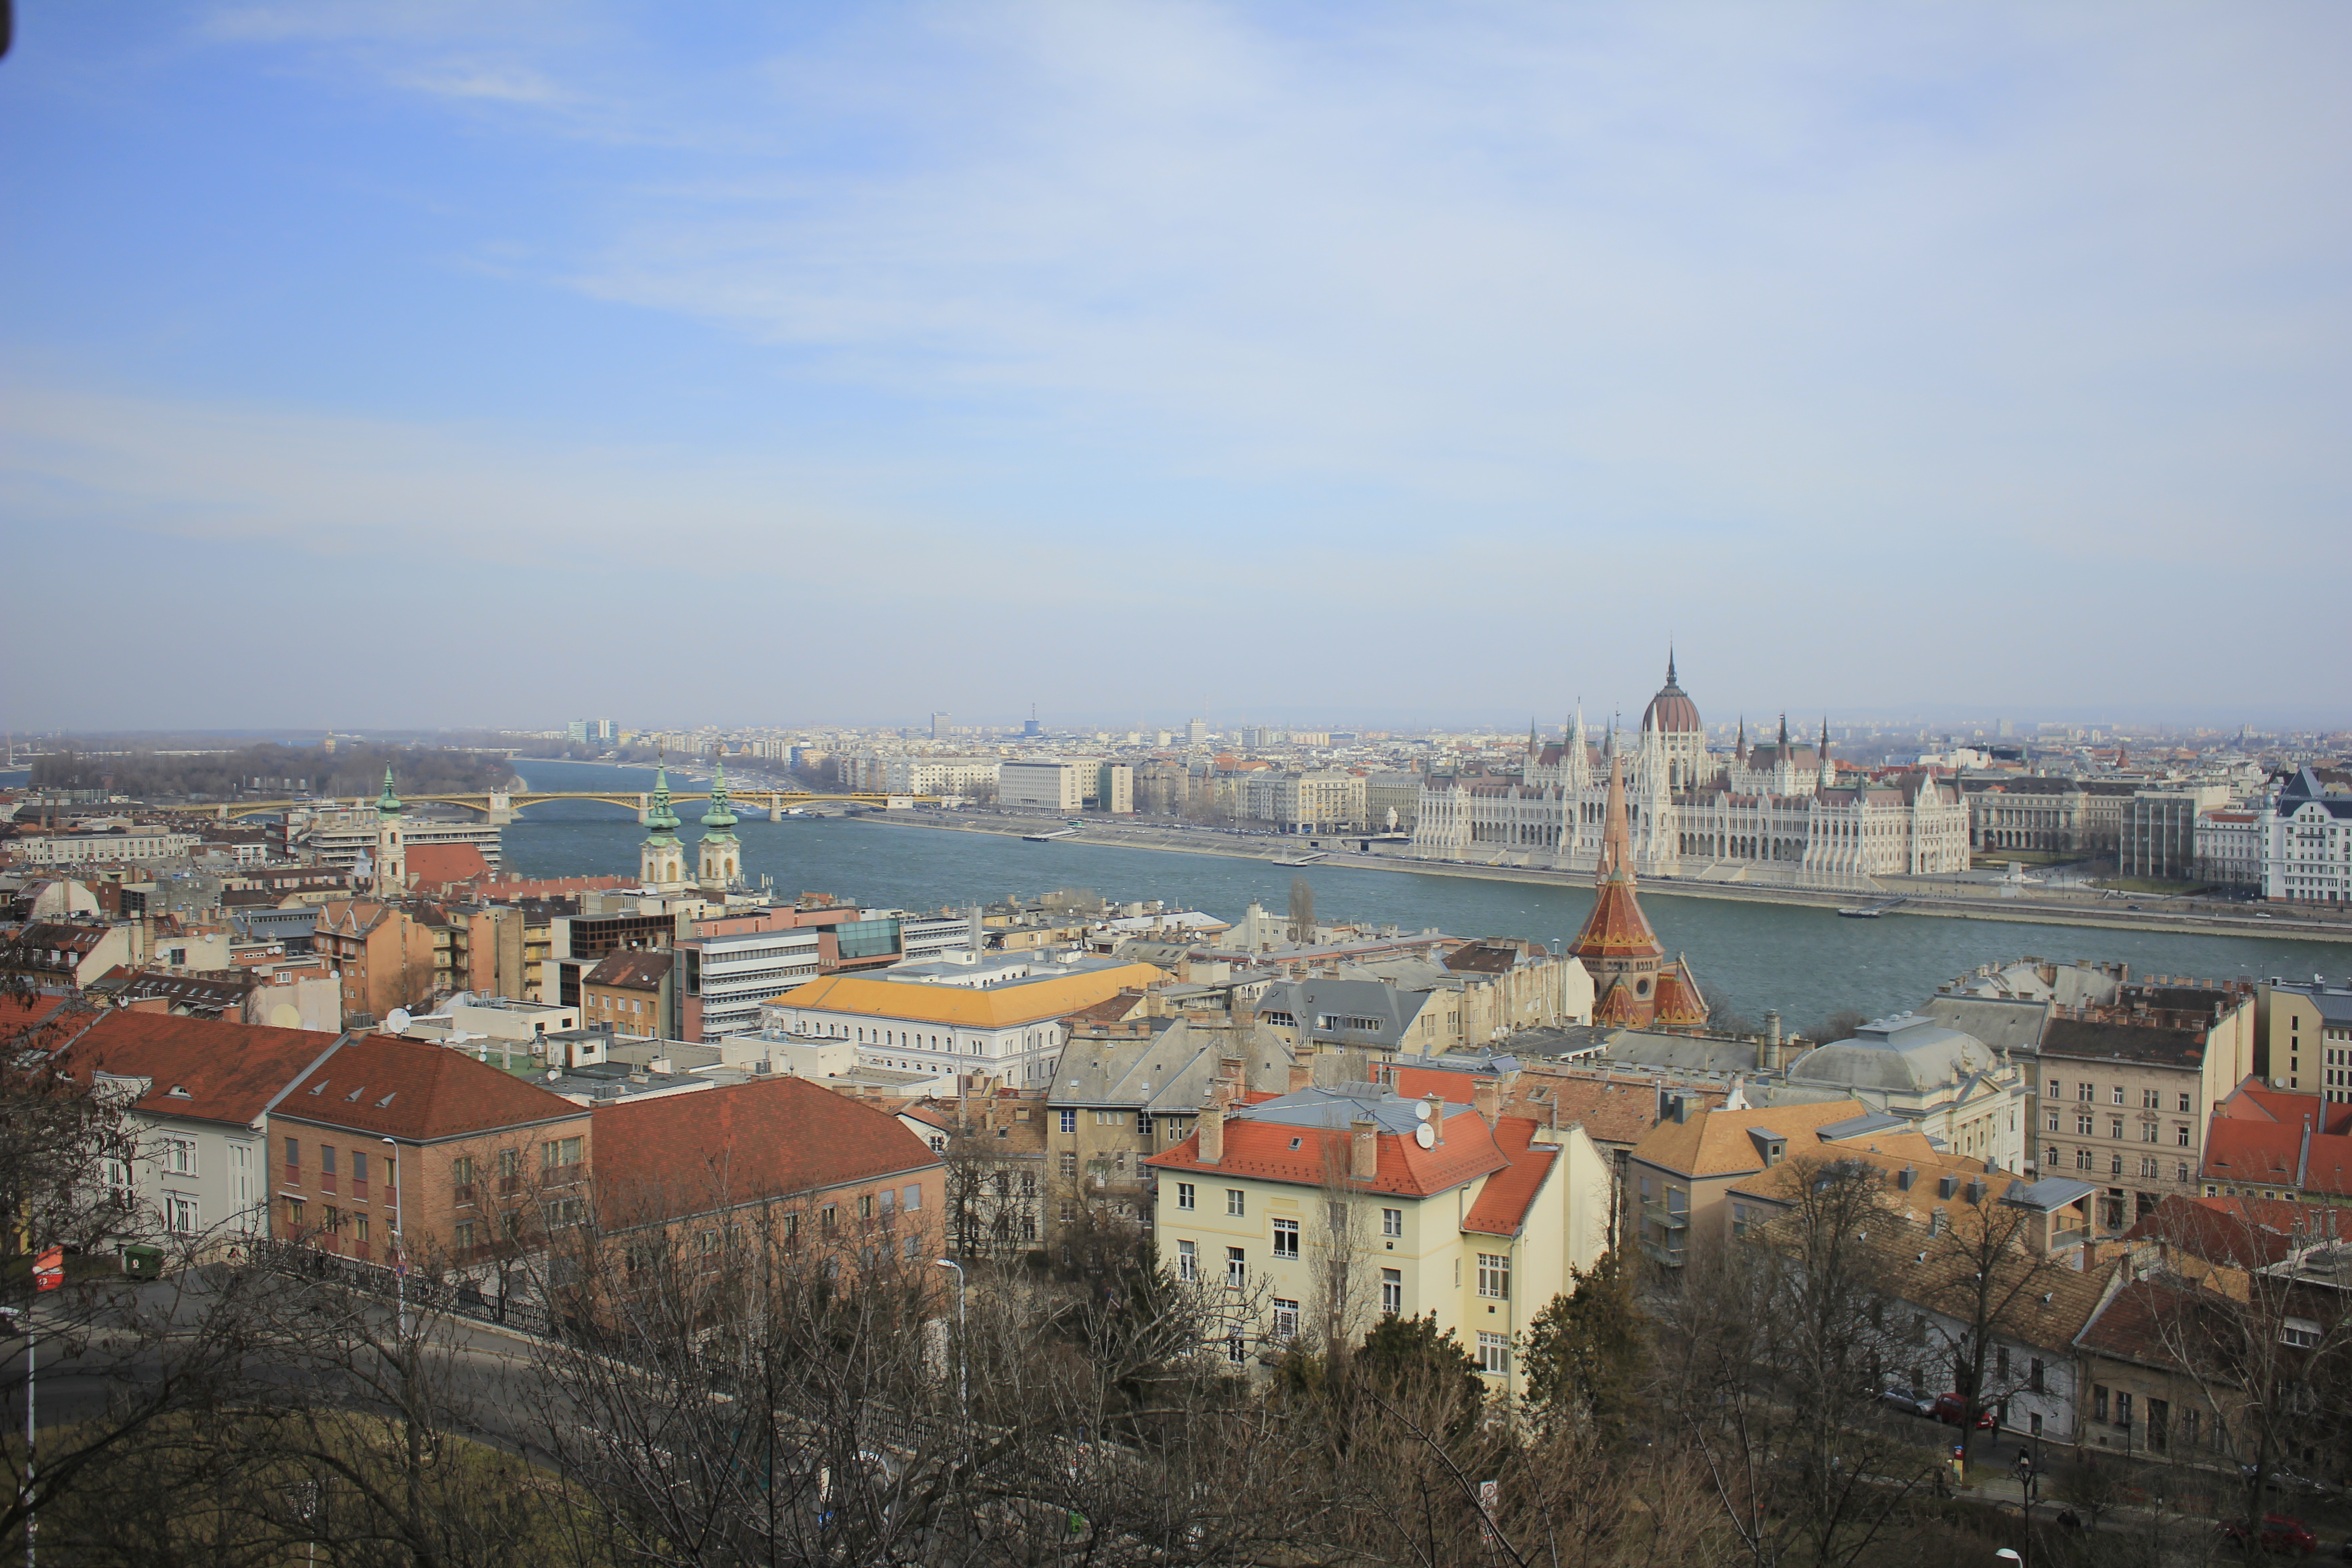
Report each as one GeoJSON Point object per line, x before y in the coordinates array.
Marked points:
{"type": "Point", "coordinates": [1236, 1350]}
{"type": "Point", "coordinates": [1392, 1292]}
{"type": "Point", "coordinates": [358, 1167]}
{"type": "Point", "coordinates": [2057, 1090]}
{"type": "Point", "coordinates": [2300, 1333]}
{"type": "Point", "coordinates": [2123, 1408]}
{"type": "Point", "coordinates": [180, 1214]}
{"type": "Point", "coordinates": [558, 1152]}
{"type": "Point", "coordinates": [1069, 1120]}
{"type": "Point", "coordinates": [509, 1164]}
{"type": "Point", "coordinates": [825, 1217]}
{"type": "Point", "coordinates": [1069, 1161]}
{"type": "Point", "coordinates": [1236, 1271]}
{"type": "Point", "coordinates": [2184, 1102]}
{"type": "Point", "coordinates": [1188, 1261]}
{"type": "Point", "coordinates": [562, 1212]}
{"type": "Point", "coordinates": [1495, 1353]}
{"type": "Point", "coordinates": [2085, 1092]}
{"type": "Point", "coordinates": [911, 1198]}
{"type": "Point", "coordinates": [293, 1156]}
{"type": "Point", "coordinates": [2151, 1100]}
{"type": "Point", "coordinates": [2116, 1167]}
{"type": "Point", "coordinates": [1186, 1193]}
{"type": "Point", "coordinates": [1393, 1222]}
{"type": "Point", "coordinates": [2148, 1133]}
{"type": "Point", "coordinates": [2117, 1097]}
{"type": "Point", "coordinates": [866, 1205]}
{"type": "Point", "coordinates": [2001, 1363]}
{"type": "Point", "coordinates": [1234, 1201]}
{"type": "Point", "coordinates": [1495, 1275]}
{"type": "Point", "coordinates": [890, 1197]}
{"type": "Point", "coordinates": [2189, 1427]}
{"type": "Point", "coordinates": [326, 1159]}
{"type": "Point", "coordinates": [2114, 1127]}
{"type": "Point", "coordinates": [2180, 1134]}
{"type": "Point", "coordinates": [2098, 1402]}
{"type": "Point", "coordinates": [294, 1214]}
{"type": "Point", "coordinates": [2050, 1122]}
{"type": "Point", "coordinates": [1286, 1320]}
{"type": "Point", "coordinates": [2084, 1125]}
{"type": "Point", "coordinates": [1286, 1239]}
{"type": "Point", "coordinates": [468, 1235]}
{"type": "Point", "coordinates": [2082, 1159]}
{"type": "Point", "coordinates": [2033, 1376]}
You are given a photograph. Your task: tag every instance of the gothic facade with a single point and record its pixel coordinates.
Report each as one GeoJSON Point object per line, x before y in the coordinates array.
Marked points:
{"type": "Point", "coordinates": [1775, 811]}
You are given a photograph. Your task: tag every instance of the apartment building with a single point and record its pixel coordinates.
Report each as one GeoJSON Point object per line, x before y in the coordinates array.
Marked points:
{"type": "Point", "coordinates": [1052, 785]}
{"type": "Point", "coordinates": [2123, 1089]}
{"type": "Point", "coordinates": [382, 958]}
{"type": "Point", "coordinates": [1323, 1210]}
{"type": "Point", "coordinates": [195, 1093]}
{"type": "Point", "coordinates": [2306, 1030]}
{"type": "Point", "coordinates": [384, 1145]}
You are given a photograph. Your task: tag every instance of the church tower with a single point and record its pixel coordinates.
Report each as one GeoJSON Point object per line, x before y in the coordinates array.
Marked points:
{"type": "Point", "coordinates": [1617, 946]}
{"type": "Point", "coordinates": [661, 861]}
{"type": "Point", "coordinates": [1829, 768]}
{"type": "Point", "coordinates": [391, 843]}
{"type": "Point", "coordinates": [719, 859]}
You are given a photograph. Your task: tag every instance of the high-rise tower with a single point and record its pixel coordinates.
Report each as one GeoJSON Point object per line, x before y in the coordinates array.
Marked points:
{"type": "Point", "coordinates": [661, 861]}
{"type": "Point", "coordinates": [719, 858]}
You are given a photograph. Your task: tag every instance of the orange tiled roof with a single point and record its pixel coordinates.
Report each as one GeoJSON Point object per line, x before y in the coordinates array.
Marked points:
{"type": "Point", "coordinates": [1678, 1005]}
{"type": "Point", "coordinates": [223, 1072]}
{"type": "Point", "coordinates": [1261, 1150]}
{"type": "Point", "coordinates": [1503, 1203]}
{"type": "Point", "coordinates": [414, 1090]}
{"type": "Point", "coordinates": [1716, 1142]}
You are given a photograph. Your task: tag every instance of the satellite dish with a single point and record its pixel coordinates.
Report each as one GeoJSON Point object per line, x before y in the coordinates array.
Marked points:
{"type": "Point", "coordinates": [1420, 1109]}
{"type": "Point", "coordinates": [396, 1020]}
{"type": "Point", "coordinates": [1425, 1136]}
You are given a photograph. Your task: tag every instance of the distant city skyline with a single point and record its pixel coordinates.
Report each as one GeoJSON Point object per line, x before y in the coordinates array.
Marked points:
{"type": "Point", "coordinates": [1365, 364]}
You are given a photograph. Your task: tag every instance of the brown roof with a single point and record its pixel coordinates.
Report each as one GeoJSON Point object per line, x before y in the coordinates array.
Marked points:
{"type": "Point", "coordinates": [1716, 1142]}
{"type": "Point", "coordinates": [2242, 1233]}
{"type": "Point", "coordinates": [2133, 1326]}
{"type": "Point", "coordinates": [2140, 1043]}
{"type": "Point", "coordinates": [1610, 1111]}
{"type": "Point", "coordinates": [634, 969]}
{"type": "Point", "coordinates": [417, 1091]}
{"type": "Point", "coordinates": [207, 1069]}
{"type": "Point", "coordinates": [1466, 1150]}
{"type": "Point", "coordinates": [670, 1155]}
{"type": "Point", "coordinates": [436, 865]}
{"type": "Point", "coordinates": [1503, 1202]}
{"type": "Point", "coordinates": [1945, 1282]}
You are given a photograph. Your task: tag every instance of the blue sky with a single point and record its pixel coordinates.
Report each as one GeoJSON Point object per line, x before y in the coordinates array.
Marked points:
{"type": "Point", "coordinates": [414, 364]}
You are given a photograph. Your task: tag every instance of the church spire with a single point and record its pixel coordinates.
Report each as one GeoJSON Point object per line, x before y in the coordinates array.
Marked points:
{"type": "Point", "coordinates": [1670, 664]}
{"type": "Point", "coordinates": [1740, 749]}
{"type": "Point", "coordinates": [1616, 836]}
{"type": "Point", "coordinates": [388, 803]}
{"type": "Point", "coordinates": [718, 818]}
{"type": "Point", "coordinates": [661, 859]}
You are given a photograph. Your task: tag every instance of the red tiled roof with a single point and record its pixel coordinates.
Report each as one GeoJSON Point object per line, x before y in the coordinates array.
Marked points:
{"type": "Point", "coordinates": [2271, 1153]}
{"type": "Point", "coordinates": [632, 968]}
{"type": "Point", "coordinates": [226, 1071]}
{"type": "Point", "coordinates": [2254, 1100]}
{"type": "Point", "coordinates": [20, 1016]}
{"type": "Point", "coordinates": [417, 1091]}
{"type": "Point", "coordinates": [2132, 1325]}
{"type": "Point", "coordinates": [2243, 1232]}
{"type": "Point", "coordinates": [1420, 1083]}
{"type": "Point", "coordinates": [1262, 1150]}
{"type": "Point", "coordinates": [433, 867]}
{"type": "Point", "coordinates": [1610, 1110]}
{"type": "Point", "coordinates": [669, 1155]}
{"type": "Point", "coordinates": [1678, 1003]}
{"type": "Point", "coordinates": [1502, 1205]}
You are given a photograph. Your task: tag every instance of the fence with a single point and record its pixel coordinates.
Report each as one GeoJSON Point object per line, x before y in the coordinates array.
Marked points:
{"type": "Point", "coordinates": [460, 1298]}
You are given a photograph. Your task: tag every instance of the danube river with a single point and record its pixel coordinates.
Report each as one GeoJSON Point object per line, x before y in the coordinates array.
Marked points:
{"type": "Point", "coordinates": [1807, 963]}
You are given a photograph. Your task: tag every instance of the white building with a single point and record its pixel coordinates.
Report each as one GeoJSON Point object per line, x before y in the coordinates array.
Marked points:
{"type": "Point", "coordinates": [1054, 786]}
{"type": "Point", "coordinates": [995, 1013]}
{"type": "Point", "coordinates": [2307, 844]}
{"type": "Point", "coordinates": [940, 776]}
{"type": "Point", "coordinates": [2230, 846]}
{"type": "Point", "coordinates": [1775, 811]}
{"type": "Point", "coordinates": [89, 849]}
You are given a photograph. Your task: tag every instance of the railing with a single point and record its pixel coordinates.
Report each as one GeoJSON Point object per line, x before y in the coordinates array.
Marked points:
{"type": "Point", "coordinates": [1661, 1252]}
{"type": "Point", "coordinates": [1666, 1218]}
{"type": "Point", "coordinates": [459, 1298]}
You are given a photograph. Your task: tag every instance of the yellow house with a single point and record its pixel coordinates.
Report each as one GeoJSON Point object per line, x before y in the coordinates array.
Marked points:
{"type": "Point", "coordinates": [1321, 1211]}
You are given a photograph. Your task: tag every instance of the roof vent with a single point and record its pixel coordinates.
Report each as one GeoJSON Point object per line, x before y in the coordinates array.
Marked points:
{"type": "Point", "coordinates": [1907, 1176]}
{"type": "Point", "coordinates": [178, 1092]}
{"type": "Point", "coordinates": [2046, 1295]}
{"type": "Point", "coordinates": [386, 1101]}
{"type": "Point", "coordinates": [355, 1094]}
{"type": "Point", "coordinates": [319, 1088]}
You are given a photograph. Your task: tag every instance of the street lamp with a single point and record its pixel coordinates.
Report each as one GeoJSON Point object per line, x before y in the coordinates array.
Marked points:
{"type": "Point", "coordinates": [964, 1347]}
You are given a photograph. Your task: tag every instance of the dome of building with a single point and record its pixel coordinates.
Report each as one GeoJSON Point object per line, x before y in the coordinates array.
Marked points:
{"type": "Point", "coordinates": [1671, 711]}
{"type": "Point", "coordinates": [1904, 1055]}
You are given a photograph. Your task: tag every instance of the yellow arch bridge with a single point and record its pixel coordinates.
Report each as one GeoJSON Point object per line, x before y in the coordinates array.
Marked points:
{"type": "Point", "coordinates": [499, 806]}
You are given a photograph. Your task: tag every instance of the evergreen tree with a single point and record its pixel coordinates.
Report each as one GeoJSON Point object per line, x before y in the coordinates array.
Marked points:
{"type": "Point", "coordinates": [1586, 1351]}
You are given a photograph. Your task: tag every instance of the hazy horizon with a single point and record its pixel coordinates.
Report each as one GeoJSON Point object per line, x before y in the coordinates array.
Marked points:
{"type": "Point", "coordinates": [401, 363]}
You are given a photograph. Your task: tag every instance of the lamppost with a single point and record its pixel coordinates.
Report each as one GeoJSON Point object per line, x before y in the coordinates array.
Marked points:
{"type": "Point", "coordinates": [963, 1352]}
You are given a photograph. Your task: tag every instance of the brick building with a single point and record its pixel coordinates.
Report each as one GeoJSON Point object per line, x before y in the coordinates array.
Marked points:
{"type": "Point", "coordinates": [384, 958]}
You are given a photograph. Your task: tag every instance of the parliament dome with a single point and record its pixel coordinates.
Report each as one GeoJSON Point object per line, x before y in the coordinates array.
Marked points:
{"type": "Point", "coordinates": [1671, 711]}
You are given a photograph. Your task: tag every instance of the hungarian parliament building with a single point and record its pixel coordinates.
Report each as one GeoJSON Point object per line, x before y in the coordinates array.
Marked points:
{"type": "Point", "coordinates": [1772, 811]}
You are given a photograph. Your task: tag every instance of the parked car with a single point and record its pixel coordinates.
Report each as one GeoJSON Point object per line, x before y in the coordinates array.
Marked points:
{"type": "Point", "coordinates": [1909, 1400]}
{"type": "Point", "coordinates": [2286, 1480]}
{"type": "Point", "coordinates": [1950, 1408]}
{"type": "Point", "coordinates": [2279, 1534]}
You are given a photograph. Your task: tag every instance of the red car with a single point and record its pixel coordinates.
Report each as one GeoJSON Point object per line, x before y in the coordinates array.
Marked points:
{"type": "Point", "coordinates": [2280, 1534]}
{"type": "Point", "coordinates": [1950, 1408]}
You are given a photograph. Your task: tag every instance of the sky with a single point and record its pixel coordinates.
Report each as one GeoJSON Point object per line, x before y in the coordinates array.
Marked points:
{"type": "Point", "coordinates": [475, 363]}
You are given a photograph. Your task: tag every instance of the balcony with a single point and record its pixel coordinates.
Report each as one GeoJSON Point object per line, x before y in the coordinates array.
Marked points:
{"type": "Point", "coordinates": [1671, 1255]}
{"type": "Point", "coordinates": [1666, 1218]}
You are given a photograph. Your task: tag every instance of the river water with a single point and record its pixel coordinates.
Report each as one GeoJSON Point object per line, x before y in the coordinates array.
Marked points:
{"type": "Point", "coordinates": [1807, 963]}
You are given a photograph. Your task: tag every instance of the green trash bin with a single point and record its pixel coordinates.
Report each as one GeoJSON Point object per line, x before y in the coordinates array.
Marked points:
{"type": "Point", "coordinates": [143, 1262]}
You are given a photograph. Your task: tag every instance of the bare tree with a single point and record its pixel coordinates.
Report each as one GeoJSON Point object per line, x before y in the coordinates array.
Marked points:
{"type": "Point", "coordinates": [1302, 911]}
{"type": "Point", "coordinates": [1982, 1271]}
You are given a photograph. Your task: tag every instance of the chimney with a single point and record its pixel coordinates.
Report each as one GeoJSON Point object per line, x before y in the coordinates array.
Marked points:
{"type": "Point", "coordinates": [1946, 1185]}
{"type": "Point", "coordinates": [1364, 1149]}
{"type": "Point", "coordinates": [1977, 1191]}
{"type": "Point", "coordinates": [1682, 1108]}
{"type": "Point", "coordinates": [1437, 1116]}
{"type": "Point", "coordinates": [1772, 1042]}
{"type": "Point", "coordinates": [1213, 1134]}
{"type": "Point", "coordinates": [1488, 1098]}
{"type": "Point", "coordinates": [1302, 1075]}
{"type": "Point", "coordinates": [1908, 1175]}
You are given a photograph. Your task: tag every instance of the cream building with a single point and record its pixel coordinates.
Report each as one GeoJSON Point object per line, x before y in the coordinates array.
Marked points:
{"type": "Point", "coordinates": [1321, 1211]}
{"type": "Point", "coordinates": [1055, 785]}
